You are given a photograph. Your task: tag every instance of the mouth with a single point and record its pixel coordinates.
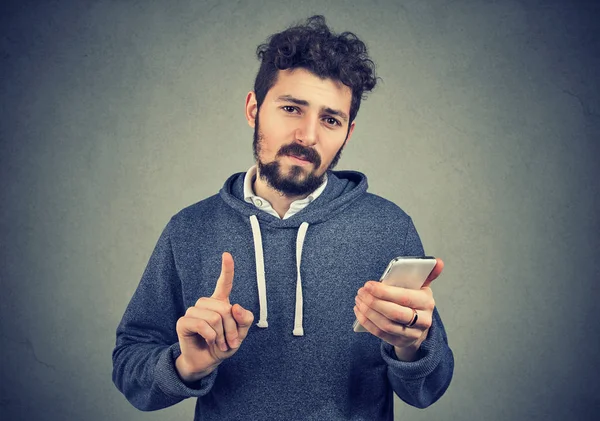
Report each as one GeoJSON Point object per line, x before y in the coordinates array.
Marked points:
{"type": "Point", "coordinates": [298, 160]}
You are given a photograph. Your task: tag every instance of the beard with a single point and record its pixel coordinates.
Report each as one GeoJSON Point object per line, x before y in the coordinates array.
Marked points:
{"type": "Point", "coordinates": [298, 182]}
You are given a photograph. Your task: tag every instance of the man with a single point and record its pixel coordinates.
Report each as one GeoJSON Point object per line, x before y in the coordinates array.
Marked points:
{"type": "Point", "coordinates": [305, 241]}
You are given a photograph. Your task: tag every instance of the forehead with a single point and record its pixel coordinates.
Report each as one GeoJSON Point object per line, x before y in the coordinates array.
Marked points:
{"type": "Point", "coordinates": [302, 84]}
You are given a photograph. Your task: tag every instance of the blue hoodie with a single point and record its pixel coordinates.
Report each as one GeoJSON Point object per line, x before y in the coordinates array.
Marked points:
{"type": "Point", "coordinates": [299, 277]}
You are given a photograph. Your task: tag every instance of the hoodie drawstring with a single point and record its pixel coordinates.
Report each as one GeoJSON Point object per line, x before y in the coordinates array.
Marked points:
{"type": "Point", "coordinates": [261, 280]}
{"type": "Point", "coordinates": [298, 329]}
{"type": "Point", "coordinates": [260, 272]}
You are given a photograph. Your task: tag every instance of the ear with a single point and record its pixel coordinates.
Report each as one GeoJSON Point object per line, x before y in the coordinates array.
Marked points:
{"type": "Point", "coordinates": [350, 131]}
{"type": "Point", "coordinates": [251, 108]}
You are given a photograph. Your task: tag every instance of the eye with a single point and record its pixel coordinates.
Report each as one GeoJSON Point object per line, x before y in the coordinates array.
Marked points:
{"type": "Point", "coordinates": [289, 109]}
{"type": "Point", "coordinates": [332, 121]}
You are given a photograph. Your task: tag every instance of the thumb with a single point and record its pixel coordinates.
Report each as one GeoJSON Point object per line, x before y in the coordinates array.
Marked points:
{"type": "Point", "coordinates": [243, 317]}
{"type": "Point", "coordinates": [225, 281]}
{"type": "Point", "coordinates": [435, 272]}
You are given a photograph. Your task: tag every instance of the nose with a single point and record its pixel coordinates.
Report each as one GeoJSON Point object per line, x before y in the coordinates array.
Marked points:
{"type": "Point", "coordinates": [306, 133]}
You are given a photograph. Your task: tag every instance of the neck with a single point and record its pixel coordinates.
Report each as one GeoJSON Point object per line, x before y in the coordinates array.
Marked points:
{"type": "Point", "coordinates": [279, 202]}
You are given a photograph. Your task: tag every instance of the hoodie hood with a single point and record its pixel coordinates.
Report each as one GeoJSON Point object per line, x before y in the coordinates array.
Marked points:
{"type": "Point", "coordinates": [343, 188]}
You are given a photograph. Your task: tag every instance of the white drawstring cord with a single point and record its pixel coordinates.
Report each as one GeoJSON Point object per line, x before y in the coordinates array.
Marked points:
{"type": "Point", "coordinates": [298, 328]}
{"type": "Point", "coordinates": [260, 272]}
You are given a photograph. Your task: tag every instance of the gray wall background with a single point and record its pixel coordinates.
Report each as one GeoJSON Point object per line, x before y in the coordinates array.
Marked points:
{"type": "Point", "coordinates": [115, 115]}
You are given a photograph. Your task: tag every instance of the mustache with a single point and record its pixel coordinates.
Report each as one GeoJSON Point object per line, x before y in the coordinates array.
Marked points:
{"type": "Point", "coordinates": [302, 152]}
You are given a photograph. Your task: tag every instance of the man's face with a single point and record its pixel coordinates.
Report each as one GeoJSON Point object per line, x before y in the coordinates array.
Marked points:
{"type": "Point", "coordinates": [302, 131]}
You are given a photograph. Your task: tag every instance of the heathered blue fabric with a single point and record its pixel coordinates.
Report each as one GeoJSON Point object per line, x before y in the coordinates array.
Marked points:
{"type": "Point", "coordinates": [330, 373]}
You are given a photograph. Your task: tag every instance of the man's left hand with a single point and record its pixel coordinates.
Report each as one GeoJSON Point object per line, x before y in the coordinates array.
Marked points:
{"type": "Point", "coordinates": [385, 310]}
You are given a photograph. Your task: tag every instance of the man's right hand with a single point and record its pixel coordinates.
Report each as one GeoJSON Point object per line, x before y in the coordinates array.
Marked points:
{"type": "Point", "coordinates": [212, 330]}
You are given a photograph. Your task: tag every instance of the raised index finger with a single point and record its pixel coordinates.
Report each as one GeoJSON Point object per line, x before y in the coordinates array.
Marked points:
{"type": "Point", "coordinates": [225, 281]}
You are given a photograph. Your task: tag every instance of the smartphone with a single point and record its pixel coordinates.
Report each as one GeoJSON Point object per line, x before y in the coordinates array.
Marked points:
{"type": "Point", "coordinates": [406, 272]}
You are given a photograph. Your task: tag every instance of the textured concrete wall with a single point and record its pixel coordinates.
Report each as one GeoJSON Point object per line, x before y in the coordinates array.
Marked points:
{"type": "Point", "coordinates": [115, 115]}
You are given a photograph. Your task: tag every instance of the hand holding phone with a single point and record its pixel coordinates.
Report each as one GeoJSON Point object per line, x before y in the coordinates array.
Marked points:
{"type": "Point", "coordinates": [406, 272]}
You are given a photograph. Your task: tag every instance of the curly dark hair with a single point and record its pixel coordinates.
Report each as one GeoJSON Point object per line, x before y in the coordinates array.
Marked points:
{"type": "Point", "coordinates": [312, 46]}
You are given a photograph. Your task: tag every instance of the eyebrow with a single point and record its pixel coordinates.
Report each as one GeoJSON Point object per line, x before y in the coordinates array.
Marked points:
{"type": "Point", "coordinates": [328, 110]}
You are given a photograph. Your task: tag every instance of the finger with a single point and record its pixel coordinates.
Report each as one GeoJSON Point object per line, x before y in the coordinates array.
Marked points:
{"type": "Point", "coordinates": [381, 326]}
{"type": "Point", "coordinates": [214, 320]}
{"type": "Point", "coordinates": [392, 311]}
{"type": "Point", "coordinates": [244, 319]}
{"type": "Point", "coordinates": [229, 325]}
{"type": "Point", "coordinates": [435, 272]}
{"type": "Point", "coordinates": [225, 281]}
{"type": "Point", "coordinates": [413, 298]}
{"type": "Point", "coordinates": [408, 335]}
{"type": "Point", "coordinates": [191, 326]}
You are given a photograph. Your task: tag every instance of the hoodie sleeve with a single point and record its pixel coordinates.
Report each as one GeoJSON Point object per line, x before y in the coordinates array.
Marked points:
{"type": "Point", "coordinates": [422, 382]}
{"type": "Point", "coordinates": [147, 343]}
